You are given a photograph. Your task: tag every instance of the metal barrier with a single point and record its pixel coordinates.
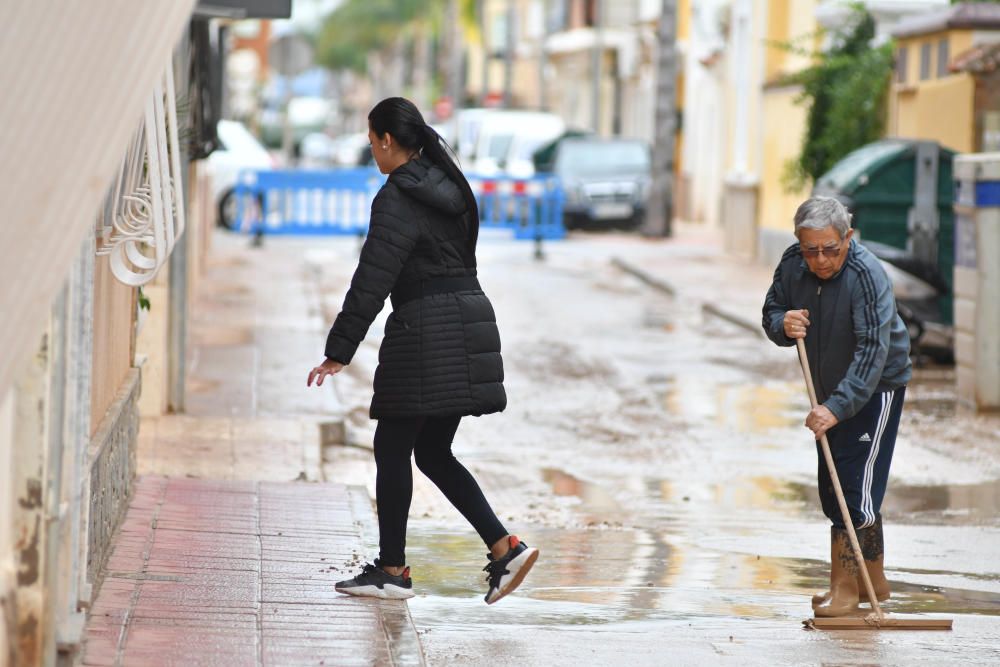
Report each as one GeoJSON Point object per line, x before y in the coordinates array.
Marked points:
{"type": "Point", "coordinates": [338, 202]}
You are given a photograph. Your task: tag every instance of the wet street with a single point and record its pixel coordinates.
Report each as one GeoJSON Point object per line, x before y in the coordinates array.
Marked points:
{"type": "Point", "coordinates": [656, 457]}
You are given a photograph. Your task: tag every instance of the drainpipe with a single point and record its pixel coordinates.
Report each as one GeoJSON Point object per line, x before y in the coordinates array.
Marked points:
{"type": "Point", "coordinates": [595, 66]}
{"type": "Point", "coordinates": [76, 591]}
{"type": "Point", "coordinates": [178, 273]}
{"type": "Point", "coordinates": [53, 472]}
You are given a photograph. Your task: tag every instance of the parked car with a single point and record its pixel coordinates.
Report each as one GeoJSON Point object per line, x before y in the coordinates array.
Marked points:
{"type": "Point", "coordinates": [238, 150]}
{"type": "Point", "coordinates": [464, 132]}
{"type": "Point", "coordinates": [606, 181]}
{"type": "Point", "coordinates": [352, 150]}
{"type": "Point", "coordinates": [317, 150]}
{"type": "Point", "coordinates": [507, 139]}
{"type": "Point", "coordinates": [306, 115]}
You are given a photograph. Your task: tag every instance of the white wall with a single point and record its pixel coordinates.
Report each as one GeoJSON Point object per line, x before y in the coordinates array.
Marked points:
{"type": "Point", "coordinates": [705, 129]}
{"type": "Point", "coordinates": [83, 100]}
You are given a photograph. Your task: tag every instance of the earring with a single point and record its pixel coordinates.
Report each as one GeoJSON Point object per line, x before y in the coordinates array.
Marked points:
{"type": "Point", "coordinates": [384, 147]}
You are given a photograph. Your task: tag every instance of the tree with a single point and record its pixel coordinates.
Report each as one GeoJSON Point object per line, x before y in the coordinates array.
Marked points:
{"type": "Point", "coordinates": [846, 90]}
{"type": "Point", "coordinates": [358, 27]}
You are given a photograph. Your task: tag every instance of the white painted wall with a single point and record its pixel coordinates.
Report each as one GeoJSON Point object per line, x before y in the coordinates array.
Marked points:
{"type": "Point", "coordinates": [78, 75]}
{"type": "Point", "coordinates": [705, 129]}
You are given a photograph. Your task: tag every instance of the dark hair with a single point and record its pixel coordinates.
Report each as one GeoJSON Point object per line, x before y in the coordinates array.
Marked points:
{"type": "Point", "coordinates": [400, 117]}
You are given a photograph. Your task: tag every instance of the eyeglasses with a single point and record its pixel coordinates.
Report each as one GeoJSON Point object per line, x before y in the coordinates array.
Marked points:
{"type": "Point", "coordinates": [828, 251]}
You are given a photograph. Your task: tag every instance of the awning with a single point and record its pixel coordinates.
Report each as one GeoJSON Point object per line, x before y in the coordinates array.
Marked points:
{"type": "Point", "coordinates": [981, 59]}
{"type": "Point", "coordinates": [581, 40]}
{"type": "Point", "coordinates": [243, 9]}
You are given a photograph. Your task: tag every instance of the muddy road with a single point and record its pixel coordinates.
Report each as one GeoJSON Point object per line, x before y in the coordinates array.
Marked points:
{"type": "Point", "coordinates": [657, 458]}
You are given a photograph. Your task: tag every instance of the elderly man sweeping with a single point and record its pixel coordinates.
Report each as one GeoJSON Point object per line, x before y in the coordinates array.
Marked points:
{"type": "Point", "coordinates": [834, 294]}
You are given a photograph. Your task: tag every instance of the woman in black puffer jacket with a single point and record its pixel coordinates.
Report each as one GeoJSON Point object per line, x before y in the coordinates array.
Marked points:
{"type": "Point", "coordinates": [440, 357]}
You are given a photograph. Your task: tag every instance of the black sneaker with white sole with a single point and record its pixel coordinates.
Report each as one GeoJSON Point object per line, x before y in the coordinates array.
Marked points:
{"type": "Point", "coordinates": [374, 582]}
{"type": "Point", "coordinates": [506, 573]}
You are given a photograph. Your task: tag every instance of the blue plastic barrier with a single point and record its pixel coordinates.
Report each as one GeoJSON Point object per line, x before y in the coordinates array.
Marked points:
{"type": "Point", "coordinates": [532, 208]}
{"type": "Point", "coordinates": [338, 202]}
{"type": "Point", "coordinates": [306, 201]}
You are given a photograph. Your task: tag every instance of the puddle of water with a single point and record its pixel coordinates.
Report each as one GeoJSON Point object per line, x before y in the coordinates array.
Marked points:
{"type": "Point", "coordinates": [907, 597]}
{"type": "Point", "coordinates": [223, 335]}
{"type": "Point", "coordinates": [969, 501]}
{"type": "Point", "coordinates": [602, 577]}
{"type": "Point", "coordinates": [745, 408]}
{"type": "Point", "coordinates": [960, 504]}
{"type": "Point", "coordinates": [199, 385]}
{"type": "Point", "coordinates": [659, 318]}
{"type": "Point", "coordinates": [633, 578]}
{"type": "Point", "coordinates": [933, 407]}
{"type": "Point", "coordinates": [605, 575]}
{"type": "Point", "coordinates": [595, 501]}
{"type": "Point", "coordinates": [760, 492]}
{"type": "Point", "coordinates": [582, 576]}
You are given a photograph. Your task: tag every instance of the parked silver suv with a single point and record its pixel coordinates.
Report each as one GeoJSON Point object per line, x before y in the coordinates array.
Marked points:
{"type": "Point", "coordinates": [606, 181]}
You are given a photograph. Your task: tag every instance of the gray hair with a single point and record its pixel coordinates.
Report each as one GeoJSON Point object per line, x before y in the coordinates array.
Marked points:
{"type": "Point", "coordinates": [820, 213]}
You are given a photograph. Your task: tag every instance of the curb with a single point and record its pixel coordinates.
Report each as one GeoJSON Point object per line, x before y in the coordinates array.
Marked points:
{"type": "Point", "coordinates": [644, 276]}
{"type": "Point", "coordinates": [735, 320]}
{"type": "Point", "coordinates": [706, 307]}
{"type": "Point", "coordinates": [397, 622]}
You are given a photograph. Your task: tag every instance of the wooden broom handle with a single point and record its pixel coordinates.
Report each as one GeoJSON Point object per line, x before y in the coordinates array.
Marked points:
{"type": "Point", "coordinates": [844, 511]}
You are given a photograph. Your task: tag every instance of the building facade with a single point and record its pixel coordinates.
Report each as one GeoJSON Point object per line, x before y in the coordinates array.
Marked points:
{"type": "Point", "coordinates": [931, 98]}
{"type": "Point", "coordinates": [107, 200]}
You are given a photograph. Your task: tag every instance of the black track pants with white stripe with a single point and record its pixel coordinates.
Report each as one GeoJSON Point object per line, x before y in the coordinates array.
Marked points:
{"type": "Point", "coordinates": [862, 451]}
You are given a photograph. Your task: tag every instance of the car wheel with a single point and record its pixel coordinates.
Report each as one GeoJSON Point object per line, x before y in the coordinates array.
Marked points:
{"type": "Point", "coordinates": [227, 209]}
{"type": "Point", "coordinates": [637, 221]}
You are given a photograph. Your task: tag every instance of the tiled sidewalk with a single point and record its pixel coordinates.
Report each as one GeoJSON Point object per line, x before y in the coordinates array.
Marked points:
{"type": "Point", "coordinates": [241, 573]}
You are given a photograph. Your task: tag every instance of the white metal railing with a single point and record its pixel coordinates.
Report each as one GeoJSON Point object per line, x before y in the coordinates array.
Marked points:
{"type": "Point", "coordinates": [143, 213]}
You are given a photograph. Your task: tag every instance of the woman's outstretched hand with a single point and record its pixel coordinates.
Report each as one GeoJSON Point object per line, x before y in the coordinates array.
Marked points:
{"type": "Point", "coordinates": [328, 367]}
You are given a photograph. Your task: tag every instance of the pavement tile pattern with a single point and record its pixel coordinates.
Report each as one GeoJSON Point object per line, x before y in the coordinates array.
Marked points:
{"type": "Point", "coordinates": [241, 573]}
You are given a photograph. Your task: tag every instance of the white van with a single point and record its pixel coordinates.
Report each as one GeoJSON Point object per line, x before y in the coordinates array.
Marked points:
{"type": "Point", "coordinates": [465, 126]}
{"type": "Point", "coordinates": [507, 140]}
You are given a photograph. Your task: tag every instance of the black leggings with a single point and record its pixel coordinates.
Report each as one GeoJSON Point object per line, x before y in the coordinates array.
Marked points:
{"type": "Point", "coordinates": [429, 439]}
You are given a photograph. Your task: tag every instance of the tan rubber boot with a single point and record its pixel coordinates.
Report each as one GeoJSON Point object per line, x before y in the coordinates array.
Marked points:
{"type": "Point", "coordinates": [873, 549]}
{"type": "Point", "coordinates": [844, 594]}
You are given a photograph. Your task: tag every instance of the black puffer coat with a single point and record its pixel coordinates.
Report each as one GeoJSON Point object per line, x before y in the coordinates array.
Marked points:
{"type": "Point", "coordinates": [441, 351]}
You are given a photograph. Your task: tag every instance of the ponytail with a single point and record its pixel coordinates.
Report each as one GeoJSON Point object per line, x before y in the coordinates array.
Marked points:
{"type": "Point", "coordinates": [401, 118]}
{"type": "Point", "coordinates": [437, 150]}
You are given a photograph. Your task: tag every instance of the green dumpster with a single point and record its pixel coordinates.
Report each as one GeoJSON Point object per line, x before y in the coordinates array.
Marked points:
{"type": "Point", "coordinates": [900, 193]}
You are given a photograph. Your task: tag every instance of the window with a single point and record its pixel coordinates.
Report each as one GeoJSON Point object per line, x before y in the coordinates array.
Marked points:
{"type": "Point", "coordinates": [557, 18]}
{"type": "Point", "coordinates": [498, 34]}
{"type": "Point", "coordinates": [534, 23]}
{"type": "Point", "coordinates": [942, 58]}
{"type": "Point", "coordinates": [925, 61]}
{"type": "Point", "coordinates": [901, 64]}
